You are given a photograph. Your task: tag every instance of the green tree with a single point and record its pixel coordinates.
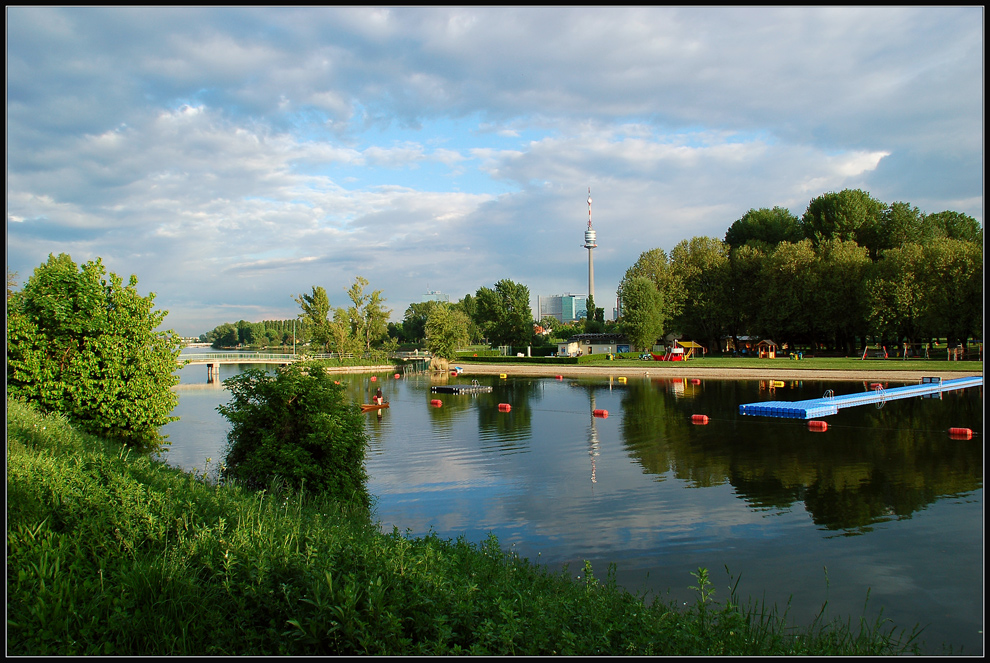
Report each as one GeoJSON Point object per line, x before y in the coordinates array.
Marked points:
{"type": "Point", "coordinates": [895, 296]}
{"type": "Point", "coordinates": [642, 313]}
{"type": "Point", "coordinates": [504, 315]}
{"type": "Point", "coordinates": [850, 215]}
{"type": "Point", "coordinates": [340, 333]}
{"type": "Point", "coordinates": [953, 225]}
{"type": "Point", "coordinates": [655, 265]}
{"type": "Point", "coordinates": [224, 336]}
{"type": "Point", "coordinates": [702, 266]}
{"type": "Point", "coordinates": [369, 317]}
{"type": "Point", "coordinates": [902, 224]}
{"type": "Point", "coordinates": [414, 321]}
{"type": "Point", "coordinates": [82, 343]}
{"type": "Point", "coordinates": [745, 290]}
{"type": "Point", "coordinates": [316, 312]}
{"type": "Point", "coordinates": [952, 280]}
{"type": "Point", "coordinates": [295, 425]}
{"type": "Point", "coordinates": [765, 227]}
{"type": "Point", "coordinates": [446, 330]}
{"type": "Point", "coordinates": [788, 280]}
{"type": "Point", "coordinates": [840, 300]}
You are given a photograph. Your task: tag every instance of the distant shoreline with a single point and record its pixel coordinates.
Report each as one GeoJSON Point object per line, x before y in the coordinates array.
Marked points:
{"type": "Point", "coordinates": [687, 371]}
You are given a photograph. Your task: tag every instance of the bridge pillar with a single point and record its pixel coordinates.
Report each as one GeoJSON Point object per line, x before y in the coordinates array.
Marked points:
{"type": "Point", "coordinates": [212, 372]}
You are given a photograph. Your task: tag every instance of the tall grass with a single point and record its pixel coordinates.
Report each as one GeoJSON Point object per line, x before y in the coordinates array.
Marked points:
{"type": "Point", "coordinates": [112, 553]}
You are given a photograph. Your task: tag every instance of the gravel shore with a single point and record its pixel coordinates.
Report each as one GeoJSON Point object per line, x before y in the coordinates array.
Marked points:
{"type": "Point", "coordinates": [687, 371]}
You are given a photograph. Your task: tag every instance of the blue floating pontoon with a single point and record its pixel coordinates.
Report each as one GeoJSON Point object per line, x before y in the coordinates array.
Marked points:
{"type": "Point", "coordinates": [822, 407]}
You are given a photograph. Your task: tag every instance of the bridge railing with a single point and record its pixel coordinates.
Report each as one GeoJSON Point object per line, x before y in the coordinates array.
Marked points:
{"type": "Point", "coordinates": [232, 357]}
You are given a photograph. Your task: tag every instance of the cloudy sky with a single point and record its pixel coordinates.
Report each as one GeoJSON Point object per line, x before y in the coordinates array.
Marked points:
{"type": "Point", "coordinates": [234, 158]}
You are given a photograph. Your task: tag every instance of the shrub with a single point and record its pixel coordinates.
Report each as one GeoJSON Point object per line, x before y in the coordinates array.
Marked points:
{"type": "Point", "coordinates": [295, 425]}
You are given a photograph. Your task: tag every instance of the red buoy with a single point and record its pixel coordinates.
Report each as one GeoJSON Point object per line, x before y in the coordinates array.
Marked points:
{"type": "Point", "coordinates": [504, 407]}
{"type": "Point", "coordinates": [373, 378]}
{"type": "Point", "coordinates": [603, 414]}
{"type": "Point", "coordinates": [819, 426]}
{"type": "Point", "coordinates": [436, 402]}
{"type": "Point", "coordinates": [961, 433]}
{"type": "Point", "coordinates": [699, 419]}
{"type": "Point", "coordinates": [559, 377]}
{"type": "Point", "coordinates": [695, 381]}
{"type": "Point", "coordinates": [397, 376]}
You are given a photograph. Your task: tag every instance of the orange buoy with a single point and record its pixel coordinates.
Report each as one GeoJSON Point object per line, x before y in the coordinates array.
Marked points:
{"type": "Point", "coordinates": [504, 407]}
{"type": "Point", "coordinates": [373, 378]}
{"type": "Point", "coordinates": [397, 376]}
{"type": "Point", "coordinates": [436, 402]}
{"type": "Point", "coordinates": [817, 425]}
{"type": "Point", "coordinates": [559, 377]}
{"type": "Point", "coordinates": [961, 433]}
{"type": "Point", "coordinates": [699, 418]}
{"type": "Point", "coordinates": [603, 414]}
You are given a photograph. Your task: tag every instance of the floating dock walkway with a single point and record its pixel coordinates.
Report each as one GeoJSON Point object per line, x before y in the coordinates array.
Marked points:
{"type": "Point", "coordinates": [473, 388]}
{"type": "Point", "coordinates": [829, 404]}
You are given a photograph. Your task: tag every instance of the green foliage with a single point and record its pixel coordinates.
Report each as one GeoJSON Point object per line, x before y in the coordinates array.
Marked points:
{"type": "Point", "coordinates": [655, 266]}
{"type": "Point", "coordinates": [642, 315]}
{"type": "Point", "coordinates": [446, 331]}
{"type": "Point", "coordinates": [765, 228]}
{"type": "Point", "coordinates": [849, 215]}
{"type": "Point", "coordinates": [368, 315]}
{"type": "Point", "coordinates": [295, 425]}
{"type": "Point", "coordinates": [504, 315]}
{"type": "Point", "coordinates": [316, 312]}
{"type": "Point", "coordinates": [701, 264]}
{"type": "Point", "coordinates": [82, 343]}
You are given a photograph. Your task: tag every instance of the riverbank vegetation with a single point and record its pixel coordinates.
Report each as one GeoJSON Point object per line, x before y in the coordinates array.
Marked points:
{"type": "Point", "coordinates": [112, 553]}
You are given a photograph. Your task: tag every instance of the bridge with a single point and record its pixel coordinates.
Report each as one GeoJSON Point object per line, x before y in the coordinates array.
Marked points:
{"type": "Point", "coordinates": [213, 360]}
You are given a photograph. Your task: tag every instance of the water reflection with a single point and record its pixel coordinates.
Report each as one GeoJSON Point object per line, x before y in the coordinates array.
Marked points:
{"type": "Point", "coordinates": [870, 466]}
{"type": "Point", "coordinates": [881, 498]}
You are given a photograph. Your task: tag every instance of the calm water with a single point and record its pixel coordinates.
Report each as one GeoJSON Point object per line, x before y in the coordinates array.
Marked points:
{"type": "Point", "coordinates": [883, 504]}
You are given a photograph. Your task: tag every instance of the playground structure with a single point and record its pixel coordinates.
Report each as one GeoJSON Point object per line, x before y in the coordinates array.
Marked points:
{"type": "Point", "coordinates": [919, 351]}
{"type": "Point", "coordinates": [679, 351]}
{"type": "Point", "coordinates": [766, 349]}
{"type": "Point", "coordinates": [874, 352]}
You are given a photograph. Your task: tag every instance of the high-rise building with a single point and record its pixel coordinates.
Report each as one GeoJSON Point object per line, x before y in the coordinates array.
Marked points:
{"type": "Point", "coordinates": [565, 308]}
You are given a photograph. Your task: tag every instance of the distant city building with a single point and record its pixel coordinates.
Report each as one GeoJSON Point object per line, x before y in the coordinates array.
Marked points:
{"type": "Point", "coordinates": [566, 308]}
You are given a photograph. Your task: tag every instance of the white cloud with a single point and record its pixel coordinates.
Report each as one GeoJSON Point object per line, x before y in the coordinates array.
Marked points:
{"type": "Point", "coordinates": [454, 146]}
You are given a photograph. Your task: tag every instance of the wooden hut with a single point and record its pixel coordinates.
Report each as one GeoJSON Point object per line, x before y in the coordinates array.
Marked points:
{"type": "Point", "coordinates": [766, 349]}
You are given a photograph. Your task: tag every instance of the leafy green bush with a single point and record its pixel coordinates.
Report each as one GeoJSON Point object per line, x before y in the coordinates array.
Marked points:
{"type": "Point", "coordinates": [88, 347]}
{"type": "Point", "coordinates": [295, 425]}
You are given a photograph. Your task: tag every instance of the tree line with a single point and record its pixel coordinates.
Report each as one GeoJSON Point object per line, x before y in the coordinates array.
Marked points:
{"type": "Point", "coordinates": [851, 270]}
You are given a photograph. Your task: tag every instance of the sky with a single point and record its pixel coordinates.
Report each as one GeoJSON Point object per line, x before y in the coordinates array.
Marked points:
{"type": "Point", "coordinates": [232, 159]}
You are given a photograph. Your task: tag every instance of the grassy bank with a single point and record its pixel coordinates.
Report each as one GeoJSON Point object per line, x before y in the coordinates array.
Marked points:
{"type": "Point", "coordinates": [110, 552]}
{"type": "Point", "coordinates": [805, 364]}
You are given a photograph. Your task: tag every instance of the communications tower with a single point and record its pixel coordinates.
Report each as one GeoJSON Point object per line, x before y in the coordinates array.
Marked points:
{"type": "Point", "coordinates": [589, 243]}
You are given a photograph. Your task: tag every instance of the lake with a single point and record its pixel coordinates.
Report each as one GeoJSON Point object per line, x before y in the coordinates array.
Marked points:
{"type": "Point", "coordinates": [883, 505]}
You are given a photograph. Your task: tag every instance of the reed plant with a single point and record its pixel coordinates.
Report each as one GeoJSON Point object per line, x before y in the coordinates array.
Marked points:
{"type": "Point", "coordinates": [113, 553]}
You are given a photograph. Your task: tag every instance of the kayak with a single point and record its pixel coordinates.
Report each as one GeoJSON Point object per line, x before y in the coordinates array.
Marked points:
{"type": "Point", "coordinates": [368, 407]}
